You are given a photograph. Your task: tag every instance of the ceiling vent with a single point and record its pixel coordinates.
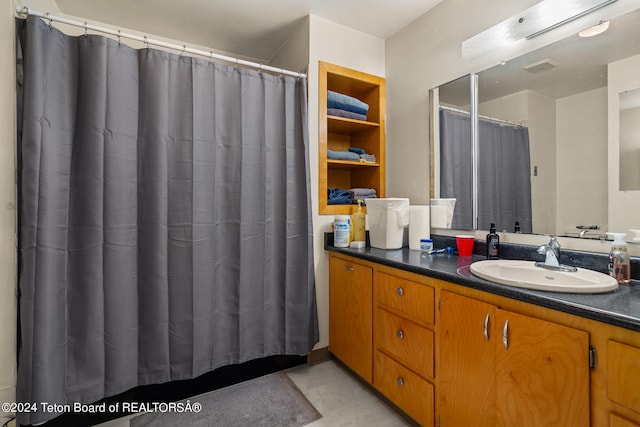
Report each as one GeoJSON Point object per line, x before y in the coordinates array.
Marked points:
{"type": "Point", "coordinates": [540, 66]}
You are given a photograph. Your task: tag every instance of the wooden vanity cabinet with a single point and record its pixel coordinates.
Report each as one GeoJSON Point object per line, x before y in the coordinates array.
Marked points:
{"type": "Point", "coordinates": [436, 350]}
{"type": "Point", "coordinates": [500, 368]}
{"type": "Point", "coordinates": [350, 314]}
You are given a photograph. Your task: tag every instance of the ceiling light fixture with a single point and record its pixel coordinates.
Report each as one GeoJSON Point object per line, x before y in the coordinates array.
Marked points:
{"type": "Point", "coordinates": [539, 19]}
{"type": "Point", "coordinates": [595, 30]}
{"type": "Point", "coordinates": [571, 18]}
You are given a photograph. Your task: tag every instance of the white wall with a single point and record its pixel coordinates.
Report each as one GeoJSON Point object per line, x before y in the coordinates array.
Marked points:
{"type": "Point", "coordinates": [320, 40]}
{"type": "Point", "coordinates": [8, 266]}
{"type": "Point", "coordinates": [582, 160]}
{"type": "Point", "coordinates": [294, 53]}
{"type": "Point", "coordinates": [542, 135]}
{"type": "Point", "coordinates": [340, 45]}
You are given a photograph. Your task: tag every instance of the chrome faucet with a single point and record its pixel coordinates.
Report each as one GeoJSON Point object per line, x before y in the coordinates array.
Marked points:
{"type": "Point", "coordinates": [551, 251]}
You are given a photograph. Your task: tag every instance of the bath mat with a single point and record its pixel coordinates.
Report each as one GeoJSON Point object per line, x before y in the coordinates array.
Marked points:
{"type": "Point", "coordinates": [269, 401]}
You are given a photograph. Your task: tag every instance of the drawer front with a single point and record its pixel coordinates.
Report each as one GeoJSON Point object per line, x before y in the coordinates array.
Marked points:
{"type": "Point", "coordinates": [411, 298]}
{"type": "Point", "coordinates": [623, 368]}
{"type": "Point", "coordinates": [409, 343]}
{"type": "Point", "coordinates": [413, 394]}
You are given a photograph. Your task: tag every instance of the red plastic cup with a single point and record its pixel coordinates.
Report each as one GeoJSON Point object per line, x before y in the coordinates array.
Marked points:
{"type": "Point", "coordinates": [465, 244]}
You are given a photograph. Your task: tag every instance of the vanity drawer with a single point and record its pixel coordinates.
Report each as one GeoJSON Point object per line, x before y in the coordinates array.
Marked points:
{"type": "Point", "coordinates": [409, 343]}
{"type": "Point", "coordinates": [413, 394]}
{"type": "Point", "coordinates": [623, 368]}
{"type": "Point", "coordinates": [411, 298]}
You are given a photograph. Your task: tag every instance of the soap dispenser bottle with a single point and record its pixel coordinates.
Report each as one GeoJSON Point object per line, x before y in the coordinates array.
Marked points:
{"type": "Point", "coordinates": [619, 266]}
{"type": "Point", "coordinates": [359, 225]}
{"type": "Point", "coordinates": [493, 243]}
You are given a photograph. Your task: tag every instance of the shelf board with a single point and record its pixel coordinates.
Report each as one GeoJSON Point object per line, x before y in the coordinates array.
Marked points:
{"type": "Point", "coordinates": [345, 164]}
{"type": "Point", "coordinates": [341, 209]}
{"type": "Point", "coordinates": [346, 125]}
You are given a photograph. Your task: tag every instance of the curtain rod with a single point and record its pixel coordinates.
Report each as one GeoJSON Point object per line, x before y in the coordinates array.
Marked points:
{"type": "Point", "coordinates": [493, 119]}
{"type": "Point", "coordinates": [25, 11]}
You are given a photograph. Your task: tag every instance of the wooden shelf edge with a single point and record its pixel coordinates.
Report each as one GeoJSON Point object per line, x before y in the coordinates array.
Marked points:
{"type": "Point", "coordinates": [346, 164]}
{"type": "Point", "coordinates": [353, 121]}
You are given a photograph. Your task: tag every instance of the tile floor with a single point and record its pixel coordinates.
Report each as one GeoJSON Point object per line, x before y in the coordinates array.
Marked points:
{"type": "Point", "coordinates": [341, 399]}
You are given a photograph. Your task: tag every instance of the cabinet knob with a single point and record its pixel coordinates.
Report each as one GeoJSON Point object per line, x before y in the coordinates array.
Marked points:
{"type": "Point", "coordinates": [349, 268]}
{"type": "Point", "coordinates": [400, 292]}
{"type": "Point", "coordinates": [400, 334]}
{"type": "Point", "coordinates": [400, 381]}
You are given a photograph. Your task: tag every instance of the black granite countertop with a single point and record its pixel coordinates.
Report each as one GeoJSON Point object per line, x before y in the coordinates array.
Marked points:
{"type": "Point", "coordinates": [619, 308]}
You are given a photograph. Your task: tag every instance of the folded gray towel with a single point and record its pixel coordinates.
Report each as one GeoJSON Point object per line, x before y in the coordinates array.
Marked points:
{"type": "Point", "coordinates": [344, 113]}
{"type": "Point", "coordinates": [357, 192]}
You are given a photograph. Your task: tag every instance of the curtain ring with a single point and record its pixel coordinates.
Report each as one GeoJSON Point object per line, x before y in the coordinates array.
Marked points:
{"type": "Point", "coordinates": [119, 39]}
{"type": "Point", "coordinates": [146, 41]}
{"type": "Point", "coordinates": [184, 48]}
{"type": "Point", "coordinates": [85, 28]}
{"type": "Point", "coordinates": [50, 21]}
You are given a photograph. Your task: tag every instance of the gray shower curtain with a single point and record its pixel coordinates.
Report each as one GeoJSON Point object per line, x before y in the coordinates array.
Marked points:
{"type": "Point", "coordinates": [504, 172]}
{"type": "Point", "coordinates": [165, 218]}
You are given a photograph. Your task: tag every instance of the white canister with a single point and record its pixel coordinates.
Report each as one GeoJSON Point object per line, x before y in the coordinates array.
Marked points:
{"type": "Point", "coordinates": [341, 231]}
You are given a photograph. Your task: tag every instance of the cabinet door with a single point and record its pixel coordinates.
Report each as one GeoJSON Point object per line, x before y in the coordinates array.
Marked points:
{"type": "Point", "coordinates": [351, 315]}
{"type": "Point", "coordinates": [623, 369]}
{"type": "Point", "coordinates": [542, 373]}
{"type": "Point", "coordinates": [467, 362]}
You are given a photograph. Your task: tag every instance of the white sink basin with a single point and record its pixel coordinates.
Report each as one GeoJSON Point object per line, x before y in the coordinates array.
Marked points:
{"type": "Point", "coordinates": [525, 274]}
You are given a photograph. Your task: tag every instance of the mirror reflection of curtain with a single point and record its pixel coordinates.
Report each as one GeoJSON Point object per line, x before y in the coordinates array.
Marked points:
{"type": "Point", "coordinates": [165, 218]}
{"type": "Point", "coordinates": [504, 176]}
{"type": "Point", "coordinates": [456, 165]}
{"type": "Point", "coordinates": [504, 183]}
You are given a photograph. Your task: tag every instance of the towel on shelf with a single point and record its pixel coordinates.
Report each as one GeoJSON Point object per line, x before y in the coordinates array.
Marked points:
{"type": "Point", "coordinates": [338, 196]}
{"type": "Point", "coordinates": [368, 158]}
{"type": "Point", "coordinates": [361, 192]}
{"type": "Point", "coordinates": [357, 150]}
{"type": "Point", "coordinates": [343, 155]}
{"type": "Point", "coordinates": [346, 102]}
{"type": "Point", "coordinates": [344, 113]}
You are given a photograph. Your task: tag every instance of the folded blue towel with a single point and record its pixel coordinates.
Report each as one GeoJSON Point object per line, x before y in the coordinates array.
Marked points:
{"type": "Point", "coordinates": [356, 150]}
{"type": "Point", "coordinates": [338, 196]}
{"type": "Point", "coordinates": [346, 102]}
{"type": "Point", "coordinates": [344, 113]}
{"type": "Point", "coordinates": [343, 155]}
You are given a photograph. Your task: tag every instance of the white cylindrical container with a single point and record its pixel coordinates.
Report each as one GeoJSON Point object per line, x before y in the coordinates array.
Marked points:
{"type": "Point", "coordinates": [418, 225]}
{"type": "Point", "coordinates": [341, 231]}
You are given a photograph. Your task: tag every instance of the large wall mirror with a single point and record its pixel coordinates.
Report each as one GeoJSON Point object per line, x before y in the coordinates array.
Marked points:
{"type": "Point", "coordinates": [543, 137]}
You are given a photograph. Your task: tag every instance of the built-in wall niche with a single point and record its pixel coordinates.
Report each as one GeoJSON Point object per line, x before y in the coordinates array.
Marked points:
{"type": "Point", "coordinates": [630, 140]}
